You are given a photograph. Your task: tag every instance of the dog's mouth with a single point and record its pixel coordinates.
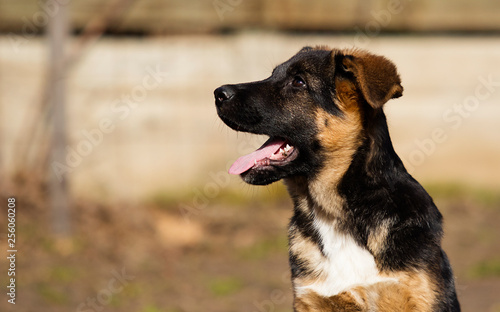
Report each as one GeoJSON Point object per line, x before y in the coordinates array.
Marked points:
{"type": "Point", "coordinates": [276, 152]}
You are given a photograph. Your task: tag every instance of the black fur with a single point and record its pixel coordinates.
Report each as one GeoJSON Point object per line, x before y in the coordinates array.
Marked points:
{"type": "Point", "coordinates": [376, 188]}
{"type": "Point", "coordinates": [249, 110]}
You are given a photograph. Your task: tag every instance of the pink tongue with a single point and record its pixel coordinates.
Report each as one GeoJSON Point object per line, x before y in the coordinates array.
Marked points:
{"type": "Point", "coordinates": [246, 162]}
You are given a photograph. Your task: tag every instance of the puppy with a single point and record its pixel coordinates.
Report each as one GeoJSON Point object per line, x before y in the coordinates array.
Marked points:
{"type": "Point", "coordinates": [364, 236]}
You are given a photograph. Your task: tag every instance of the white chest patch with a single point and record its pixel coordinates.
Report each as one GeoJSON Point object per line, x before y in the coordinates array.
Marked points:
{"type": "Point", "coordinates": [346, 264]}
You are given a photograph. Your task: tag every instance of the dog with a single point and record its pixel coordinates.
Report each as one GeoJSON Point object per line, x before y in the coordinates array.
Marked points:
{"type": "Point", "coordinates": [365, 235]}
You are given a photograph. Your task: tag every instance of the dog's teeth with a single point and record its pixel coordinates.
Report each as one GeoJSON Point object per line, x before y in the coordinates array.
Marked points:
{"type": "Point", "coordinates": [282, 151]}
{"type": "Point", "coordinates": [287, 147]}
{"type": "Point", "coordinates": [255, 161]}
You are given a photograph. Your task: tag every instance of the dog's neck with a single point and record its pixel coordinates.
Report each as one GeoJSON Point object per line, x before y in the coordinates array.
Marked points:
{"type": "Point", "coordinates": [375, 163]}
{"type": "Point", "coordinates": [371, 161]}
{"type": "Point", "coordinates": [319, 195]}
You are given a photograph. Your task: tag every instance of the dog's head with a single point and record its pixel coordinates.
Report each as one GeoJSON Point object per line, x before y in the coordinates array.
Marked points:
{"type": "Point", "coordinates": [314, 107]}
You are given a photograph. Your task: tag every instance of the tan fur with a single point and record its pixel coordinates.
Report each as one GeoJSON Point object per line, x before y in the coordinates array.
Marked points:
{"type": "Point", "coordinates": [413, 292]}
{"type": "Point", "coordinates": [377, 238]}
{"type": "Point", "coordinates": [376, 81]}
{"type": "Point", "coordinates": [312, 302]}
{"type": "Point", "coordinates": [308, 252]}
{"type": "Point", "coordinates": [300, 245]}
{"type": "Point", "coordinates": [340, 138]}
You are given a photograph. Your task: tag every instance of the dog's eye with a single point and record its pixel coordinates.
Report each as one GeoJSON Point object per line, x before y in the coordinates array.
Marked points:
{"type": "Point", "coordinates": [298, 82]}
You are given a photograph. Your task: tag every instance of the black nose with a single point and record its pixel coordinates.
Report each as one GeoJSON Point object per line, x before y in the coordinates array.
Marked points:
{"type": "Point", "coordinates": [223, 94]}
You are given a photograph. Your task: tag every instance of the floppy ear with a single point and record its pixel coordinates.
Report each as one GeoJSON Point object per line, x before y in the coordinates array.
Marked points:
{"type": "Point", "coordinates": [376, 76]}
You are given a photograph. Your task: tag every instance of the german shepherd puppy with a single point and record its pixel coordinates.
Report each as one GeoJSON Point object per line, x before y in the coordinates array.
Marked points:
{"type": "Point", "coordinates": [365, 236]}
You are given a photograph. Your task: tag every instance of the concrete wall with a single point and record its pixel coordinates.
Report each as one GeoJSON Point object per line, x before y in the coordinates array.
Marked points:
{"type": "Point", "coordinates": [146, 106]}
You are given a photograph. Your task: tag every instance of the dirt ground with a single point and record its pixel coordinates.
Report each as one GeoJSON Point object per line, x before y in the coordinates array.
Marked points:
{"type": "Point", "coordinates": [229, 256]}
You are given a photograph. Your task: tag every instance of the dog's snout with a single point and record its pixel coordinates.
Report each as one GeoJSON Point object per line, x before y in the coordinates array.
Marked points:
{"type": "Point", "coordinates": [223, 94]}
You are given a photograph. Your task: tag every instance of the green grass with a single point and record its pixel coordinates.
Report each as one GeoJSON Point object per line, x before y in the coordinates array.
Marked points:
{"type": "Point", "coordinates": [495, 308]}
{"type": "Point", "coordinates": [64, 274]}
{"type": "Point", "coordinates": [457, 191]}
{"type": "Point", "coordinates": [165, 200]}
{"type": "Point", "coordinates": [485, 268]}
{"type": "Point", "coordinates": [151, 308]}
{"type": "Point", "coordinates": [264, 248]}
{"type": "Point", "coordinates": [133, 290]}
{"type": "Point", "coordinates": [239, 196]}
{"type": "Point", "coordinates": [204, 196]}
{"type": "Point", "coordinates": [51, 294]}
{"type": "Point", "coordinates": [224, 286]}
{"type": "Point", "coordinates": [154, 308]}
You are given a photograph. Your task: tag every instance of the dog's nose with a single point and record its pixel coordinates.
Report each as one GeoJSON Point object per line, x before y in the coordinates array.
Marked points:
{"type": "Point", "coordinates": [223, 94]}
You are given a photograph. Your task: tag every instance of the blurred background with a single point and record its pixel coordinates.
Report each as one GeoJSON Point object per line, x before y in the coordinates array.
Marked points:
{"type": "Point", "coordinates": [112, 148]}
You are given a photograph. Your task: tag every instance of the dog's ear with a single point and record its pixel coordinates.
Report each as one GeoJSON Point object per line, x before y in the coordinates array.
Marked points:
{"type": "Point", "coordinates": [306, 49]}
{"type": "Point", "coordinates": [376, 76]}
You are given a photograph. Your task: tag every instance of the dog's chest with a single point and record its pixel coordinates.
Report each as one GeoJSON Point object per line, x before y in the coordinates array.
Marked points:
{"type": "Point", "coordinates": [342, 265]}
